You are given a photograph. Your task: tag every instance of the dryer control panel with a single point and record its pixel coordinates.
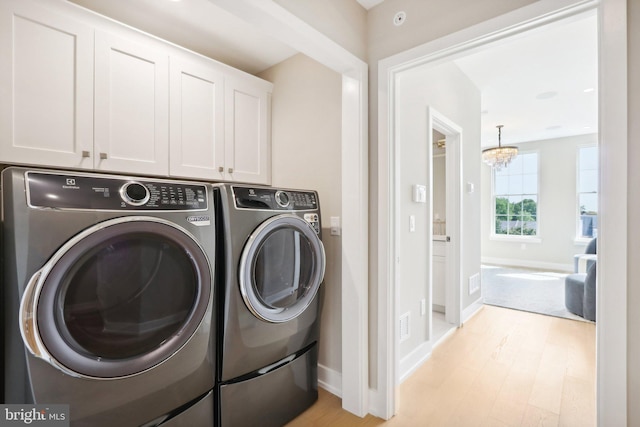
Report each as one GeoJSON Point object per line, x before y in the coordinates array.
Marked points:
{"type": "Point", "coordinates": [112, 193]}
{"type": "Point", "coordinates": [274, 199]}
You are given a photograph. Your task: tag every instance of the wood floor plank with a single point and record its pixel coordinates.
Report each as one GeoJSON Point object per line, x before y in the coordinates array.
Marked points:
{"type": "Point", "coordinates": [502, 368]}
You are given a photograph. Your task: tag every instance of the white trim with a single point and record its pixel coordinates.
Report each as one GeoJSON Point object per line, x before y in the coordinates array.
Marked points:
{"type": "Point", "coordinates": [330, 380]}
{"type": "Point", "coordinates": [376, 401]}
{"type": "Point", "coordinates": [611, 301]}
{"type": "Point", "coordinates": [277, 22]}
{"type": "Point", "coordinates": [472, 310]}
{"type": "Point", "coordinates": [511, 238]}
{"type": "Point", "coordinates": [612, 394]}
{"type": "Point", "coordinates": [537, 238]}
{"type": "Point", "coordinates": [453, 170]}
{"type": "Point", "coordinates": [538, 265]}
{"type": "Point", "coordinates": [579, 147]}
{"type": "Point", "coordinates": [412, 361]}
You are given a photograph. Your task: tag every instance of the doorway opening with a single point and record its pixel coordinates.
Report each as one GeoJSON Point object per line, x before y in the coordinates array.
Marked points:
{"type": "Point", "coordinates": [613, 179]}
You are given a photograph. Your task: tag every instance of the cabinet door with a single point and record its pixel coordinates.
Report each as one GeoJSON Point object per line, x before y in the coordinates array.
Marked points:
{"type": "Point", "coordinates": [247, 130]}
{"type": "Point", "coordinates": [131, 111]}
{"type": "Point", "coordinates": [46, 87]}
{"type": "Point", "coordinates": [197, 121]}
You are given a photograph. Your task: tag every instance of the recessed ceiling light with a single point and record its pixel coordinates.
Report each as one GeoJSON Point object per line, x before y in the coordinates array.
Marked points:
{"type": "Point", "coordinates": [546, 95]}
{"type": "Point", "coordinates": [554, 127]}
{"type": "Point", "coordinates": [589, 89]}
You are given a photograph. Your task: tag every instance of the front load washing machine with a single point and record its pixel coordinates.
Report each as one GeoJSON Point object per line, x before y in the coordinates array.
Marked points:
{"type": "Point", "coordinates": [108, 297]}
{"type": "Point", "coordinates": [269, 279]}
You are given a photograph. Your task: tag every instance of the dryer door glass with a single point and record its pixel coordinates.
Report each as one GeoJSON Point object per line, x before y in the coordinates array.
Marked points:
{"type": "Point", "coordinates": [123, 298]}
{"type": "Point", "coordinates": [282, 268]}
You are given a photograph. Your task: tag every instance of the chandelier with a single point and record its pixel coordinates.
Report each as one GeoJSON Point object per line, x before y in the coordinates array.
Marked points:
{"type": "Point", "coordinates": [499, 157]}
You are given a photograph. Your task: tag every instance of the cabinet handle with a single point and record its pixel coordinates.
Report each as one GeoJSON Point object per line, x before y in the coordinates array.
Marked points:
{"type": "Point", "coordinates": [86, 153]}
{"type": "Point", "coordinates": [103, 156]}
{"type": "Point", "coordinates": [220, 169]}
{"type": "Point", "coordinates": [230, 170]}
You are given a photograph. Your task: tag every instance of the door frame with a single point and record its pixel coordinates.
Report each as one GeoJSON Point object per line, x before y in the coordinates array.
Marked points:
{"type": "Point", "coordinates": [611, 327]}
{"type": "Point", "coordinates": [453, 173]}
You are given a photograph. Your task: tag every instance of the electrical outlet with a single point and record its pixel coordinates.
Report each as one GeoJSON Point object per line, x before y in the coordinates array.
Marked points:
{"type": "Point", "coordinates": [423, 307]}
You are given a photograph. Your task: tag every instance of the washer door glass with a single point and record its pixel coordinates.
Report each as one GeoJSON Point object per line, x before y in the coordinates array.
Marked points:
{"type": "Point", "coordinates": [281, 268]}
{"type": "Point", "coordinates": [123, 297]}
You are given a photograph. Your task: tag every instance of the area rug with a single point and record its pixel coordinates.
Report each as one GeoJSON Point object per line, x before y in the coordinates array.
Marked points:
{"type": "Point", "coordinates": [536, 291]}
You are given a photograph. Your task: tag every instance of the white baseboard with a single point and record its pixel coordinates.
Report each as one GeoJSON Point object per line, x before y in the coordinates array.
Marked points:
{"type": "Point", "coordinates": [414, 360]}
{"type": "Point", "coordinates": [330, 380]}
{"type": "Point", "coordinates": [375, 405]}
{"type": "Point", "coordinates": [471, 311]}
{"type": "Point", "coordinates": [539, 265]}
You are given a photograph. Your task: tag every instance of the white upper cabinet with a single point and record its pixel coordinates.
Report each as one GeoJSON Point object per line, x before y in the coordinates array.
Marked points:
{"type": "Point", "coordinates": [219, 124]}
{"type": "Point", "coordinates": [79, 91]}
{"type": "Point", "coordinates": [46, 87]}
{"type": "Point", "coordinates": [247, 130]}
{"type": "Point", "coordinates": [196, 120]}
{"type": "Point", "coordinates": [131, 107]}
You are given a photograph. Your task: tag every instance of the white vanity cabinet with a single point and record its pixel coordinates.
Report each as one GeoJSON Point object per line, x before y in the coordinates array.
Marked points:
{"type": "Point", "coordinates": [439, 275]}
{"type": "Point", "coordinates": [46, 87]}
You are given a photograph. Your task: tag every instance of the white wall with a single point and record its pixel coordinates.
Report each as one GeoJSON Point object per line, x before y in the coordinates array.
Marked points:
{"type": "Point", "coordinates": [306, 154]}
{"type": "Point", "coordinates": [557, 169]}
{"type": "Point", "coordinates": [426, 21]}
{"type": "Point", "coordinates": [441, 87]}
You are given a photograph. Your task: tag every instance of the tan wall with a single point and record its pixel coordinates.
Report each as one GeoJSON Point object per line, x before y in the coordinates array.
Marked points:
{"type": "Point", "coordinates": [343, 21]}
{"type": "Point", "coordinates": [306, 154]}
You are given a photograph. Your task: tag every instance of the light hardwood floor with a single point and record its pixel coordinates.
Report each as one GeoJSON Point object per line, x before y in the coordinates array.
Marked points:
{"type": "Point", "coordinates": [502, 368]}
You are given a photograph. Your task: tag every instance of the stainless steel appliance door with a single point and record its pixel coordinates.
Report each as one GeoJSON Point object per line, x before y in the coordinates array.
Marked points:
{"type": "Point", "coordinates": [117, 299]}
{"type": "Point", "coordinates": [281, 268]}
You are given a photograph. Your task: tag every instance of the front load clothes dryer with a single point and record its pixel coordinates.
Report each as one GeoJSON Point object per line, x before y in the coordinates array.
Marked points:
{"type": "Point", "coordinates": [108, 297]}
{"type": "Point", "coordinates": [270, 276]}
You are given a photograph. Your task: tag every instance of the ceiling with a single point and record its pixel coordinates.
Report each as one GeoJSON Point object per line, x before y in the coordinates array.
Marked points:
{"type": "Point", "coordinates": [368, 4]}
{"type": "Point", "coordinates": [534, 83]}
{"type": "Point", "coordinates": [198, 25]}
{"type": "Point", "coordinates": [540, 85]}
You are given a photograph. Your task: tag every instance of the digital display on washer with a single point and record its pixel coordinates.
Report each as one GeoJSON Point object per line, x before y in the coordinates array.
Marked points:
{"type": "Point", "coordinates": [274, 199]}
{"type": "Point", "coordinates": [68, 191]}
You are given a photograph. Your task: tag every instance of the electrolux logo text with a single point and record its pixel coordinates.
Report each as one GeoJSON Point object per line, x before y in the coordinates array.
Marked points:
{"type": "Point", "coordinates": [34, 415]}
{"type": "Point", "coordinates": [71, 184]}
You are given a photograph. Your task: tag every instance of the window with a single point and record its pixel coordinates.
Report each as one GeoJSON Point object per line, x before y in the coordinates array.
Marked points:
{"type": "Point", "coordinates": [515, 190]}
{"type": "Point", "coordinates": [587, 192]}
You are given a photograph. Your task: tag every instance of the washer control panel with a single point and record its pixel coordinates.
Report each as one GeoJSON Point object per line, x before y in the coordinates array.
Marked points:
{"type": "Point", "coordinates": [274, 199]}
{"type": "Point", "coordinates": [96, 192]}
